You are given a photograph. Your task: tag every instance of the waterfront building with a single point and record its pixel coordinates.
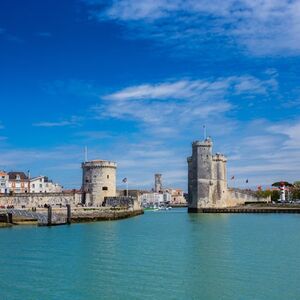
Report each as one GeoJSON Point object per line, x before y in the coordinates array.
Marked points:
{"type": "Point", "coordinates": [4, 183]}
{"type": "Point", "coordinates": [98, 181]}
{"type": "Point", "coordinates": [18, 182]}
{"type": "Point", "coordinates": [151, 199]}
{"type": "Point", "coordinates": [42, 184]}
{"type": "Point", "coordinates": [176, 196]}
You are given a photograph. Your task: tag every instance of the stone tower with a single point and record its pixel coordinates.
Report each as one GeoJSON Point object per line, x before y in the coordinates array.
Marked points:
{"type": "Point", "coordinates": [98, 181]}
{"type": "Point", "coordinates": [207, 182]}
{"type": "Point", "coordinates": [157, 183]}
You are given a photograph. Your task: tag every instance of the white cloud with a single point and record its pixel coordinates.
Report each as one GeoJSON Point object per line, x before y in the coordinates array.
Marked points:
{"type": "Point", "coordinates": [267, 157]}
{"type": "Point", "coordinates": [291, 131]}
{"type": "Point", "coordinates": [263, 26]}
{"type": "Point", "coordinates": [176, 106]}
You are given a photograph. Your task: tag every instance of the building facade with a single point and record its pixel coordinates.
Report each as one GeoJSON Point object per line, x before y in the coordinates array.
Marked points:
{"type": "Point", "coordinates": [4, 183]}
{"type": "Point", "coordinates": [98, 181]}
{"type": "Point", "coordinates": [176, 196]}
{"type": "Point", "coordinates": [42, 184]}
{"type": "Point", "coordinates": [18, 182]}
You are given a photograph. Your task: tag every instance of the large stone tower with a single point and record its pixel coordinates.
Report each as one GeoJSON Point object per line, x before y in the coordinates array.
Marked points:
{"type": "Point", "coordinates": [98, 181]}
{"type": "Point", "coordinates": [207, 182]}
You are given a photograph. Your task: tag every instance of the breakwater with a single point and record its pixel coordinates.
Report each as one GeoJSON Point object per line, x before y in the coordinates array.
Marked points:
{"type": "Point", "coordinates": [256, 209]}
{"type": "Point", "coordinates": [78, 215]}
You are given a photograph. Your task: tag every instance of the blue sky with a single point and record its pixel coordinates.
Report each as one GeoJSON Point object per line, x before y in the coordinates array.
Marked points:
{"type": "Point", "coordinates": [136, 80]}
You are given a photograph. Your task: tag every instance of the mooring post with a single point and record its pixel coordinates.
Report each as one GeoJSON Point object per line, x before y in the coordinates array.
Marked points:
{"type": "Point", "coordinates": [9, 218]}
{"type": "Point", "coordinates": [49, 215]}
{"type": "Point", "coordinates": [69, 214]}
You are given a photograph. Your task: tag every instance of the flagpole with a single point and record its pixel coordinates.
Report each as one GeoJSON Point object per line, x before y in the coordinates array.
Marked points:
{"type": "Point", "coordinates": [204, 132]}
{"type": "Point", "coordinates": [85, 154]}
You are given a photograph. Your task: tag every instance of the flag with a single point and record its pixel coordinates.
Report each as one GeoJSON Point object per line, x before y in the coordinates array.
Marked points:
{"type": "Point", "coordinates": [232, 177]}
{"type": "Point", "coordinates": [247, 180]}
{"type": "Point", "coordinates": [124, 180]}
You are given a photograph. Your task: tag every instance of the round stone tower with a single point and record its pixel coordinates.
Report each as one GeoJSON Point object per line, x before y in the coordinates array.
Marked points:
{"type": "Point", "coordinates": [98, 181]}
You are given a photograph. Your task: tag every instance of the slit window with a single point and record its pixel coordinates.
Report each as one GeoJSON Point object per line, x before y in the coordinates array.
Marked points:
{"type": "Point", "coordinates": [104, 188]}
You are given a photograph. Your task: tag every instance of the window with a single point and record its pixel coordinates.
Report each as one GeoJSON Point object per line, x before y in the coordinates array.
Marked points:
{"type": "Point", "coordinates": [104, 188]}
{"type": "Point", "coordinates": [41, 185]}
{"type": "Point", "coordinates": [107, 176]}
{"type": "Point", "coordinates": [18, 177]}
{"type": "Point", "coordinates": [33, 185]}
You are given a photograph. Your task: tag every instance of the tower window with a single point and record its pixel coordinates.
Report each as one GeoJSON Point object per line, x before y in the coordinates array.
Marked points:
{"type": "Point", "coordinates": [104, 188]}
{"type": "Point", "coordinates": [107, 176]}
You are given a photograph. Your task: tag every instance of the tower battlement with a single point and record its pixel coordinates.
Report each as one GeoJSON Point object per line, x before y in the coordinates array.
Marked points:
{"type": "Point", "coordinates": [99, 164]}
{"type": "Point", "coordinates": [219, 157]}
{"type": "Point", "coordinates": [206, 143]}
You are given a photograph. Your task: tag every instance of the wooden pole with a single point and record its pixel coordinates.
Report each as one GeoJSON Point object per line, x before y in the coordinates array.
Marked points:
{"type": "Point", "coordinates": [49, 215]}
{"type": "Point", "coordinates": [69, 214]}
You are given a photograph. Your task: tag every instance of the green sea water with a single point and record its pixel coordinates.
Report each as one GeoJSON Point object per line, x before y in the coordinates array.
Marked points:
{"type": "Point", "coordinates": [160, 255]}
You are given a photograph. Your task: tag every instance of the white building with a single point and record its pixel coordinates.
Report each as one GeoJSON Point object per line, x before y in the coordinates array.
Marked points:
{"type": "Point", "coordinates": [150, 199]}
{"type": "Point", "coordinates": [42, 184]}
{"type": "Point", "coordinates": [18, 182]}
{"type": "Point", "coordinates": [4, 183]}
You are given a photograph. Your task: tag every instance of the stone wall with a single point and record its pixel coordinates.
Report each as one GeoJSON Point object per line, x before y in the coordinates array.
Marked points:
{"type": "Point", "coordinates": [39, 200]}
{"type": "Point", "coordinates": [235, 198]}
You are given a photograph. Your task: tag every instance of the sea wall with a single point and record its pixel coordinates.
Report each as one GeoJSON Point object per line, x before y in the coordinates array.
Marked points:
{"type": "Point", "coordinates": [235, 198]}
{"type": "Point", "coordinates": [39, 200]}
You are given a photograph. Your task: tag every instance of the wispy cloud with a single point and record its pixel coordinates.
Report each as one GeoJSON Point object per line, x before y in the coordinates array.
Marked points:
{"type": "Point", "coordinates": [93, 135]}
{"type": "Point", "coordinates": [176, 106]}
{"type": "Point", "coordinates": [269, 155]}
{"type": "Point", "coordinates": [263, 27]}
{"type": "Point", "coordinates": [74, 121]}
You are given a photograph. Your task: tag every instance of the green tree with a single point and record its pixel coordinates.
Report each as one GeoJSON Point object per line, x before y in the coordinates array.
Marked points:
{"type": "Point", "coordinates": [275, 195]}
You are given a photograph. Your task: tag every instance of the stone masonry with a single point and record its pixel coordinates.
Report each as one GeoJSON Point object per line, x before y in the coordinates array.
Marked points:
{"type": "Point", "coordinates": [207, 180]}
{"type": "Point", "coordinates": [98, 181]}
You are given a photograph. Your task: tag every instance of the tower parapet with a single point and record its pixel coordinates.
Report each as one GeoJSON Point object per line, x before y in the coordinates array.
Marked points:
{"type": "Point", "coordinates": [98, 181]}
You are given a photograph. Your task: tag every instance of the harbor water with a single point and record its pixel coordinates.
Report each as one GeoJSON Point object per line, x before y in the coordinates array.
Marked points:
{"type": "Point", "coordinates": [159, 255]}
